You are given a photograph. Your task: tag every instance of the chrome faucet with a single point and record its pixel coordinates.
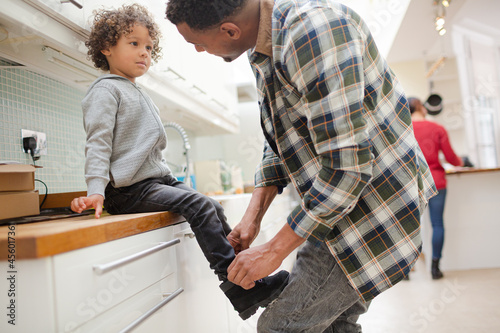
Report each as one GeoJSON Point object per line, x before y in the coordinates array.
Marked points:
{"type": "Point", "coordinates": [187, 147]}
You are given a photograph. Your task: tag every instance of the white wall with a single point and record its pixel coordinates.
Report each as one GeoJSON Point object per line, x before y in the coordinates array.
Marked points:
{"type": "Point", "coordinates": [412, 75]}
{"type": "Point", "coordinates": [243, 149]}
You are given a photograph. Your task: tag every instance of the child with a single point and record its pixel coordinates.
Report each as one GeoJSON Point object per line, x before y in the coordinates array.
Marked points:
{"type": "Point", "coordinates": [125, 138]}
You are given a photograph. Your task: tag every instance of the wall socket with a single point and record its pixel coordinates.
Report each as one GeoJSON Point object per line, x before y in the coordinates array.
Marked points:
{"type": "Point", "coordinates": [41, 141]}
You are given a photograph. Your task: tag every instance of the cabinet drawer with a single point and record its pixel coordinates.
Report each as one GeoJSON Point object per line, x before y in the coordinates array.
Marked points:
{"type": "Point", "coordinates": [152, 310]}
{"type": "Point", "coordinates": [90, 281]}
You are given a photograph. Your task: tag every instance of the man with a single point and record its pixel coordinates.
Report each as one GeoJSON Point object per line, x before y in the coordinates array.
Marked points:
{"type": "Point", "coordinates": [339, 130]}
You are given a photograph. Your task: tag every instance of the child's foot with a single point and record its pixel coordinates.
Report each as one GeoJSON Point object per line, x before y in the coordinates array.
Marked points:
{"type": "Point", "coordinates": [246, 302]}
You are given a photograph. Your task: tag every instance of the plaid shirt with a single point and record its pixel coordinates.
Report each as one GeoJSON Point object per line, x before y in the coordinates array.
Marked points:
{"type": "Point", "coordinates": [338, 127]}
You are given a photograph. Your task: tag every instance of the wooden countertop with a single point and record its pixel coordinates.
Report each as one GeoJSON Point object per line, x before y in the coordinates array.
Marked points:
{"type": "Point", "coordinates": [42, 239]}
{"type": "Point", "coordinates": [458, 171]}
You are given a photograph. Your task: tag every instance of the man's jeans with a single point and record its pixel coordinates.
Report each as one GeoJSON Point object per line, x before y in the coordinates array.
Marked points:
{"type": "Point", "coordinates": [205, 215]}
{"type": "Point", "coordinates": [318, 298]}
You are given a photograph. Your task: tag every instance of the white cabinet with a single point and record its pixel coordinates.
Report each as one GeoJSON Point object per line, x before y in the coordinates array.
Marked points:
{"type": "Point", "coordinates": [68, 13]}
{"type": "Point", "coordinates": [203, 306]}
{"type": "Point", "coordinates": [100, 277]}
{"type": "Point", "coordinates": [34, 307]}
{"type": "Point", "coordinates": [156, 281]}
{"type": "Point", "coordinates": [109, 287]}
{"type": "Point", "coordinates": [274, 219]}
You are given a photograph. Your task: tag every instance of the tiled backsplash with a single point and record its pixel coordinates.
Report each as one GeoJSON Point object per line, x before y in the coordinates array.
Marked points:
{"type": "Point", "coordinates": [35, 102]}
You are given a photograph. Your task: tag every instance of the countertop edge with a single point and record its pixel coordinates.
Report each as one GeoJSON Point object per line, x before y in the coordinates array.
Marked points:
{"type": "Point", "coordinates": [462, 171]}
{"type": "Point", "coordinates": [44, 239]}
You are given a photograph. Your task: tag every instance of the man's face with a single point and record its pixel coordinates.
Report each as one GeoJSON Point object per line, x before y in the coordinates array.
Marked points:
{"type": "Point", "coordinates": [215, 41]}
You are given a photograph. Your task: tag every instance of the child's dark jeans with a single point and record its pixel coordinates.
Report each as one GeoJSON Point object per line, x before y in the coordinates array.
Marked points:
{"type": "Point", "coordinates": [205, 215]}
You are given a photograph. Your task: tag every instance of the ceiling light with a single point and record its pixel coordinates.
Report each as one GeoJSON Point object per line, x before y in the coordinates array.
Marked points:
{"type": "Point", "coordinates": [440, 21]}
{"type": "Point", "coordinates": [440, 7]}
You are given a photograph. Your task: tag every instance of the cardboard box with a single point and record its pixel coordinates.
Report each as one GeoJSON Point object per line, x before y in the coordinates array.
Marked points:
{"type": "Point", "coordinates": [17, 177]}
{"type": "Point", "coordinates": [16, 204]}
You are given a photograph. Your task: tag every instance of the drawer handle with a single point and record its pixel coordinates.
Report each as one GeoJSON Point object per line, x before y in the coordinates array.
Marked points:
{"type": "Point", "coordinates": [151, 311]}
{"type": "Point", "coordinates": [185, 233]}
{"type": "Point", "coordinates": [104, 268]}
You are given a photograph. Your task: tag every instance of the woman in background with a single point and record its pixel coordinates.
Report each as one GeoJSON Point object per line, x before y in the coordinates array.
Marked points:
{"type": "Point", "coordinates": [432, 139]}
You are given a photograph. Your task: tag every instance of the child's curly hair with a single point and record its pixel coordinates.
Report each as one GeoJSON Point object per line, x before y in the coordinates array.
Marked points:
{"type": "Point", "coordinates": [110, 25]}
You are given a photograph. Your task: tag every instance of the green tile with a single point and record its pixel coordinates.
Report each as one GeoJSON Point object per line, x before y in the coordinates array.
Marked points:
{"type": "Point", "coordinates": [32, 101]}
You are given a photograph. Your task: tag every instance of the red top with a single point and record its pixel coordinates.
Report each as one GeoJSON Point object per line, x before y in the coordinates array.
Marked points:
{"type": "Point", "coordinates": [433, 138]}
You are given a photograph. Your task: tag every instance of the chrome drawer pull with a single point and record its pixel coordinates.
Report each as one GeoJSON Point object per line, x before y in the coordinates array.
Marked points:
{"type": "Point", "coordinates": [185, 233]}
{"type": "Point", "coordinates": [104, 268]}
{"type": "Point", "coordinates": [151, 311]}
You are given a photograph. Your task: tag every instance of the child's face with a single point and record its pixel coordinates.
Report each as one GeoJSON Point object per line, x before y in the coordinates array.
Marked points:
{"type": "Point", "coordinates": [131, 56]}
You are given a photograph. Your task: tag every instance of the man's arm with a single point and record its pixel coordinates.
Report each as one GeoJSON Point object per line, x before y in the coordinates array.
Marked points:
{"type": "Point", "coordinates": [327, 72]}
{"type": "Point", "coordinates": [245, 232]}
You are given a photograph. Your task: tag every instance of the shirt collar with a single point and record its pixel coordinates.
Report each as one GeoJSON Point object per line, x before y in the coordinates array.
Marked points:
{"type": "Point", "coordinates": [264, 36]}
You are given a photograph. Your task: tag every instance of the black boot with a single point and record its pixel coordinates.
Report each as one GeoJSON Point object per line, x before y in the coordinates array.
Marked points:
{"type": "Point", "coordinates": [435, 271]}
{"type": "Point", "coordinates": [246, 302]}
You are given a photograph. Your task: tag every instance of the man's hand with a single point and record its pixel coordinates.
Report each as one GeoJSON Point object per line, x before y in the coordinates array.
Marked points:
{"type": "Point", "coordinates": [251, 265]}
{"type": "Point", "coordinates": [243, 235]}
{"type": "Point", "coordinates": [245, 232]}
{"type": "Point", "coordinates": [94, 201]}
{"type": "Point", "coordinates": [260, 261]}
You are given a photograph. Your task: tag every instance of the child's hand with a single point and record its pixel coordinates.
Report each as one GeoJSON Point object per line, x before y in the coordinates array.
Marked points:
{"type": "Point", "coordinates": [94, 201]}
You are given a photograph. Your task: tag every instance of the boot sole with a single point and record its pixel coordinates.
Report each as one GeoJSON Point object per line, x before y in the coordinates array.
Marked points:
{"type": "Point", "coordinates": [251, 310]}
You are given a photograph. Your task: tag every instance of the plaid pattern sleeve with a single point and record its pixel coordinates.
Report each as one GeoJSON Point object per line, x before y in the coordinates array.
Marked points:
{"type": "Point", "coordinates": [271, 171]}
{"type": "Point", "coordinates": [323, 55]}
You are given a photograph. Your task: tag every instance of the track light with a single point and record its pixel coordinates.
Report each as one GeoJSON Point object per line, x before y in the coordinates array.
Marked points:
{"type": "Point", "coordinates": [439, 21]}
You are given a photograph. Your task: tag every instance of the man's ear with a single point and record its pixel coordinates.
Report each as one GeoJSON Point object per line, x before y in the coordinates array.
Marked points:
{"type": "Point", "coordinates": [231, 30]}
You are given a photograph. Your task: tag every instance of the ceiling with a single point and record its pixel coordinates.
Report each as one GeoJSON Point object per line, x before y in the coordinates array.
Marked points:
{"type": "Point", "coordinates": [417, 38]}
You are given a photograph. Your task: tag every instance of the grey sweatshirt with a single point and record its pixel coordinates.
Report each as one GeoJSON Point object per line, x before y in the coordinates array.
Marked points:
{"type": "Point", "coordinates": [125, 135]}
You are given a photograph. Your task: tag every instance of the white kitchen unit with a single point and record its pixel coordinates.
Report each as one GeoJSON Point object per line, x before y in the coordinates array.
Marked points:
{"type": "Point", "coordinates": [470, 220]}
{"type": "Point", "coordinates": [110, 287]}
{"type": "Point", "coordinates": [203, 306]}
{"type": "Point", "coordinates": [70, 13]}
{"type": "Point", "coordinates": [273, 221]}
{"type": "Point", "coordinates": [47, 36]}
{"type": "Point", "coordinates": [112, 275]}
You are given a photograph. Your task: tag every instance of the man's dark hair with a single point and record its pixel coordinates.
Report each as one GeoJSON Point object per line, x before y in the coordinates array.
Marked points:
{"type": "Point", "coordinates": [414, 102]}
{"type": "Point", "coordinates": [202, 14]}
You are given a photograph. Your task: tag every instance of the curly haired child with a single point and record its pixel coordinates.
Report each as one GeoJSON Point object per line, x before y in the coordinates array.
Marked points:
{"type": "Point", "coordinates": [124, 170]}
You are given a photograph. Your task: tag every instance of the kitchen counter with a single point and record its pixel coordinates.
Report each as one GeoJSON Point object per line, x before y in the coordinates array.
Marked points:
{"type": "Point", "coordinates": [459, 170]}
{"type": "Point", "coordinates": [471, 221]}
{"type": "Point", "coordinates": [42, 239]}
